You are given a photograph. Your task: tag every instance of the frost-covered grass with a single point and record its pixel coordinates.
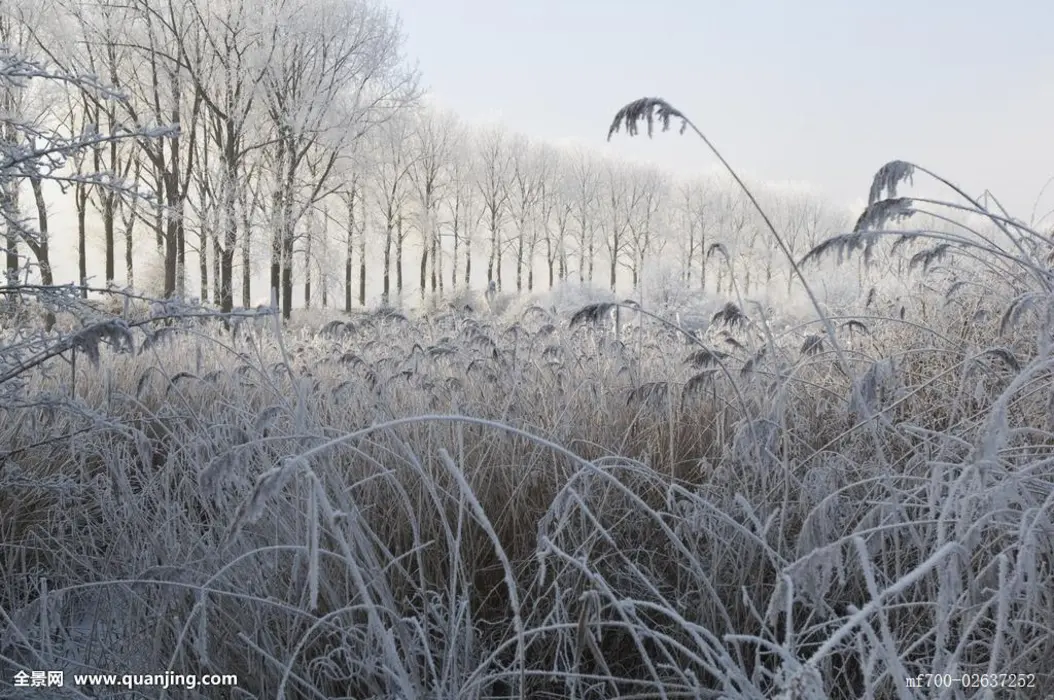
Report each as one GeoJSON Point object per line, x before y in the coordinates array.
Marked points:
{"type": "Point", "coordinates": [472, 506]}
{"type": "Point", "coordinates": [532, 503]}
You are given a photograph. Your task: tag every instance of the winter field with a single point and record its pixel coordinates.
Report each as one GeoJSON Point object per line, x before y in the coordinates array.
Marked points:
{"type": "Point", "coordinates": [720, 442]}
{"type": "Point", "coordinates": [526, 500]}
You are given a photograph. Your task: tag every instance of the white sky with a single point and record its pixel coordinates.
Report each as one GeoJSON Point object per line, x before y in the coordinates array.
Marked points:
{"type": "Point", "coordinates": [814, 91]}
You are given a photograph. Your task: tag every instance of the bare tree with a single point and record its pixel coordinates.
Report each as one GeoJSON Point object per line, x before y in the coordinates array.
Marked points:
{"type": "Point", "coordinates": [732, 219]}
{"type": "Point", "coordinates": [559, 204]}
{"type": "Point", "coordinates": [35, 152]}
{"type": "Point", "coordinates": [251, 207]}
{"type": "Point", "coordinates": [163, 47]}
{"type": "Point", "coordinates": [238, 40]}
{"type": "Point", "coordinates": [622, 193]}
{"type": "Point", "coordinates": [650, 189]}
{"type": "Point", "coordinates": [354, 204]}
{"type": "Point", "coordinates": [462, 202]}
{"type": "Point", "coordinates": [693, 208]}
{"type": "Point", "coordinates": [433, 135]}
{"type": "Point", "coordinates": [103, 50]}
{"type": "Point", "coordinates": [585, 176]}
{"type": "Point", "coordinates": [13, 37]}
{"type": "Point", "coordinates": [335, 76]}
{"type": "Point", "coordinates": [544, 161]}
{"type": "Point", "coordinates": [492, 173]}
{"type": "Point", "coordinates": [804, 220]}
{"type": "Point", "coordinates": [392, 190]}
{"type": "Point", "coordinates": [524, 188]}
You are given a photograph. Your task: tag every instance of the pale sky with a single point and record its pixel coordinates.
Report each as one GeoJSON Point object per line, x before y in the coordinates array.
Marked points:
{"type": "Point", "coordinates": [816, 91]}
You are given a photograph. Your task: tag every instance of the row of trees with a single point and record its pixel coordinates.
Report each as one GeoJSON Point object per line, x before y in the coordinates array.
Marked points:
{"type": "Point", "coordinates": [302, 135]}
{"type": "Point", "coordinates": [567, 213]}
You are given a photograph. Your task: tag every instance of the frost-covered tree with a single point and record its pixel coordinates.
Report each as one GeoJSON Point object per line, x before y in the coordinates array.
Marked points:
{"type": "Point", "coordinates": [585, 178]}
{"type": "Point", "coordinates": [392, 188]}
{"type": "Point", "coordinates": [433, 135]}
{"type": "Point", "coordinates": [336, 74]}
{"type": "Point", "coordinates": [494, 164]}
{"type": "Point", "coordinates": [523, 187]}
{"type": "Point", "coordinates": [650, 189]}
{"type": "Point", "coordinates": [462, 203]}
{"type": "Point", "coordinates": [32, 151]}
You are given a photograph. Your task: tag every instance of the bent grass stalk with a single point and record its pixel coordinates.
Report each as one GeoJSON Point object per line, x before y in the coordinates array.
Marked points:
{"type": "Point", "coordinates": [649, 109]}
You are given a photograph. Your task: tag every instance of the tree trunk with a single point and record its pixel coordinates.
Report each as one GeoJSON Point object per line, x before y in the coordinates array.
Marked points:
{"type": "Point", "coordinates": [468, 263]}
{"type": "Point", "coordinates": [225, 254]}
{"type": "Point", "coordinates": [454, 261]}
{"type": "Point", "coordinates": [41, 250]}
{"type": "Point", "coordinates": [400, 240]}
{"type": "Point", "coordinates": [362, 266]}
{"type": "Point", "coordinates": [203, 264]}
{"type": "Point", "coordinates": [435, 260]}
{"type": "Point", "coordinates": [307, 272]}
{"type": "Point", "coordinates": [493, 256]}
{"type": "Point", "coordinates": [592, 245]}
{"type": "Point", "coordinates": [181, 253]}
{"type": "Point", "coordinates": [520, 250]}
{"type": "Point", "coordinates": [349, 252]}
{"type": "Point", "coordinates": [386, 294]}
{"type": "Point", "coordinates": [217, 270]}
{"type": "Point", "coordinates": [424, 268]}
{"type": "Point", "coordinates": [247, 298]}
{"type": "Point", "coordinates": [80, 198]}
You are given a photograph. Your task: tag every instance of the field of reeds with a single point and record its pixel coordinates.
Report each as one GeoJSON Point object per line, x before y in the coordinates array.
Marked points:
{"type": "Point", "coordinates": [537, 504]}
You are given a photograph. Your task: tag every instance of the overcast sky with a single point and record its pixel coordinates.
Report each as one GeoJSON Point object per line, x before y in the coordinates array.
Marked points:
{"type": "Point", "coordinates": [821, 92]}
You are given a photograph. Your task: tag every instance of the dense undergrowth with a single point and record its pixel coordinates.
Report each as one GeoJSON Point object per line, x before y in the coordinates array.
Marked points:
{"type": "Point", "coordinates": [635, 516]}
{"type": "Point", "coordinates": [463, 505]}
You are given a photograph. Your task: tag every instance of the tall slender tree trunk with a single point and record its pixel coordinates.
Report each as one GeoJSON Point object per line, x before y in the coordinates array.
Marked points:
{"type": "Point", "coordinates": [129, 248]}
{"type": "Point", "coordinates": [287, 242]}
{"type": "Point", "coordinates": [386, 294]}
{"type": "Point", "coordinates": [495, 255]}
{"type": "Point", "coordinates": [41, 249]}
{"type": "Point", "coordinates": [424, 268]}
{"type": "Point", "coordinates": [247, 298]}
{"type": "Point", "coordinates": [225, 253]}
{"type": "Point", "coordinates": [349, 251]}
{"type": "Point", "coordinates": [362, 263]}
{"type": "Point", "coordinates": [454, 258]}
{"type": "Point", "coordinates": [435, 260]}
{"type": "Point", "coordinates": [307, 271]}
{"type": "Point", "coordinates": [519, 259]}
{"type": "Point", "coordinates": [203, 263]}
{"type": "Point", "coordinates": [217, 269]}
{"type": "Point", "coordinates": [80, 199]}
{"type": "Point", "coordinates": [468, 263]}
{"type": "Point", "coordinates": [400, 239]}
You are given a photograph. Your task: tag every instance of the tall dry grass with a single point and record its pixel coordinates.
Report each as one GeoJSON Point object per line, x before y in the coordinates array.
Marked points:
{"type": "Point", "coordinates": [467, 506]}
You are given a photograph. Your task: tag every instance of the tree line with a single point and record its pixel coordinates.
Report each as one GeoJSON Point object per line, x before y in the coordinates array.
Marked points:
{"type": "Point", "coordinates": [304, 145]}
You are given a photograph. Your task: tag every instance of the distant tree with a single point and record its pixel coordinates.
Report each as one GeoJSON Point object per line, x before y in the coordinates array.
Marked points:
{"type": "Point", "coordinates": [492, 173]}
{"type": "Point", "coordinates": [554, 211]}
{"type": "Point", "coordinates": [622, 194]}
{"type": "Point", "coordinates": [585, 179]}
{"type": "Point", "coordinates": [462, 203]}
{"type": "Point", "coordinates": [523, 186]}
{"type": "Point", "coordinates": [693, 208]}
{"type": "Point", "coordinates": [391, 163]}
{"type": "Point", "coordinates": [334, 77]}
{"type": "Point", "coordinates": [649, 201]}
{"type": "Point", "coordinates": [352, 197]}
{"type": "Point", "coordinates": [34, 152]}
{"type": "Point", "coordinates": [433, 139]}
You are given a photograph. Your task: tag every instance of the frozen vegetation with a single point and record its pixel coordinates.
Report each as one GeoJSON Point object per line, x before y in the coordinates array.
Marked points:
{"type": "Point", "coordinates": [474, 505]}
{"type": "Point", "coordinates": [825, 471]}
